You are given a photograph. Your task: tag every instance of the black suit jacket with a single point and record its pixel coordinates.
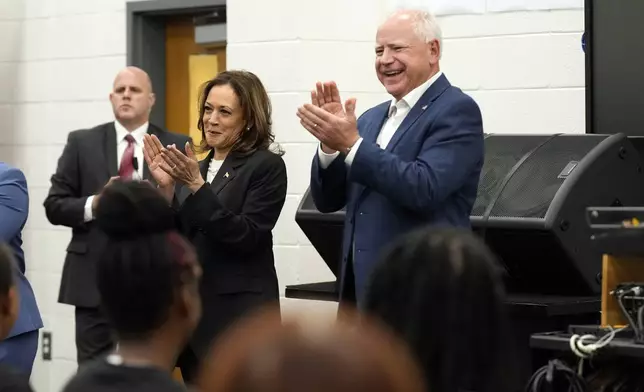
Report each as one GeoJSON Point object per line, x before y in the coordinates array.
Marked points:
{"type": "Point", "coordinates": [230, 223]}
{"type": "Point", "coordinates": [86, 164]}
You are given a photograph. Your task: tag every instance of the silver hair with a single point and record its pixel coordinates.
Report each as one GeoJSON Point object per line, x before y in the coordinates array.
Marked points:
{"type": "Point", "coordinates": [425, 25]}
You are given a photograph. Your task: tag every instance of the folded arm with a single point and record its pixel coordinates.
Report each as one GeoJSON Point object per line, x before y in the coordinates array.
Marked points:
{"type": "Point", "coordinates": [64, 205]}
{"type": "Point", "coordinates": [14, 203]}
{"type": "Point", "coordinates": [263, 204]}
{"type": "Point", "coordinates": [449, 154]}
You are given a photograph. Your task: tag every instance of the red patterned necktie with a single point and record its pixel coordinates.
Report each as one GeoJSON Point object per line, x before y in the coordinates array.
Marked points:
{"type": "Point", "coordinates": [127, 168]}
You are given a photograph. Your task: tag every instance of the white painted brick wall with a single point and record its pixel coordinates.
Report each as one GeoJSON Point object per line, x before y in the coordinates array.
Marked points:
{"type": "Point", "coordinates": [58, 59]}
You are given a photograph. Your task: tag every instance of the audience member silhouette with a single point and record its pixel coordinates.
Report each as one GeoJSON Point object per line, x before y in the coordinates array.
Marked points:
{"type": "Point", "coordinates": [441, 291]}
{"type": "Point", "coordinates": [262, 354]}
{"type": "Point", "coordinates": [148, 279]}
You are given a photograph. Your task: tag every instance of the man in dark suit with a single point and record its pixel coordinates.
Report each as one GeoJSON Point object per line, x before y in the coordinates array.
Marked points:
{"type": "Point", "coordinates": [19, 348]}
{"type": "Point", "coordinates": [91, 158]}
{"type": "Point", "coordinates": [411, 161]}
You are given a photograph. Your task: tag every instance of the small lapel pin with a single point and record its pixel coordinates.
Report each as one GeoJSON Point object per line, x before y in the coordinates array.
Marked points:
{"type": "Point", "coordinates": [226, 175]}
{"type": "Point", "coordinates": [424, 107]}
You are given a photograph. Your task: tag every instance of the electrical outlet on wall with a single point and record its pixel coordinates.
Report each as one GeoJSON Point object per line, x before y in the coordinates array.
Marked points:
{"type": "Point", "coordinates": [46, 345]}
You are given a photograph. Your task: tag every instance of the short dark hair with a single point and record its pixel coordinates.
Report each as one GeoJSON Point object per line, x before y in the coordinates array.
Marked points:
{"type": "Point", "coordinates": [441, 290]}
{"type": "Point", "coordinates": [145, 261]}
{"type": "Point", "coordinates": [256, 108]}
{"type": "Point", "coordinates": [6, 269]}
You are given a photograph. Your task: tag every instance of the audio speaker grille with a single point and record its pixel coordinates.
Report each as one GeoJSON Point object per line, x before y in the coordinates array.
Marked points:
{"type": "Point", "coordinates": [532, 187]}
{"type": "Point", "coordinates": [502, 152]}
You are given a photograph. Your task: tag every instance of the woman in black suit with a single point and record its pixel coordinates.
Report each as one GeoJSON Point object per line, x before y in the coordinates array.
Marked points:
{"type": "Point", "coordinates": [228, 203]}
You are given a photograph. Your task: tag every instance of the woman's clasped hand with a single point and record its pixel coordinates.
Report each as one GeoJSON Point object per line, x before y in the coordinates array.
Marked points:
{"type": "Point", "coordinates": [169, 165]}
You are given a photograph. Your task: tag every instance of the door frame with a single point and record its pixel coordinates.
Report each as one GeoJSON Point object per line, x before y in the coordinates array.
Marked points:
{"type": "Point", "coordinates": [145, 35]}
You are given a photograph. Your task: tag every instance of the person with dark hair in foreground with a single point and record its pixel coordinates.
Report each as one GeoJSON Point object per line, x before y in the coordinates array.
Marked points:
{"type": "Point", "coordinates": [264, 354]}
{"type": "Point", "coordinates": [10, 379]}
{"type": "Point", "coordinates": [441, 291]}
{"type": "Point", "coordinates": [148, 279]}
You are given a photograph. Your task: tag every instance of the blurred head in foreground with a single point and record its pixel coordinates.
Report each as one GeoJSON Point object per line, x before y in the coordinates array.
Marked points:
{"type": "Point", "coordinates": [148, 275]}
{"type": "Point", "coordinates": [263, 354]}
{"type": "Point", "coordinates": [441, 291]}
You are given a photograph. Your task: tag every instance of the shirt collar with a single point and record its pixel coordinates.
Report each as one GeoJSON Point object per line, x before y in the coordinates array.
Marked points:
{"type": "Point", "coordinates": [414, 95]}
{"type": "Point", "coordinates": [137, 134]}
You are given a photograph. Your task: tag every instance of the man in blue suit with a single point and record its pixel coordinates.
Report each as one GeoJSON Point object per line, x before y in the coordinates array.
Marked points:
{"type": "Point", "coordinates": [411, 161]}
{"type": "Point", "coordinates": [18, 349]}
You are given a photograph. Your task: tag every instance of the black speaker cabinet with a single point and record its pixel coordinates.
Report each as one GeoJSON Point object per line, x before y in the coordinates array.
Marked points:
{"type": "Point", "coordinates": [323, 230]}
{"type": "Point", "coordinates": [531, 208]}
{"type": "Point", "coordinates": [531, 205]}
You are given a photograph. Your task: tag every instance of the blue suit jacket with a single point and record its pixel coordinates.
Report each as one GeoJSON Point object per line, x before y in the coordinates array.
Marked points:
{"type": "Point", "coordinates": [428, 174]}
{"type": "Point", "coordinates": [14, 209]}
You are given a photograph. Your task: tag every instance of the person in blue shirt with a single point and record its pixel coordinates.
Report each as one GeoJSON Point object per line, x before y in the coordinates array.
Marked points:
{"type": "Point", "coordinates": [18, 349]}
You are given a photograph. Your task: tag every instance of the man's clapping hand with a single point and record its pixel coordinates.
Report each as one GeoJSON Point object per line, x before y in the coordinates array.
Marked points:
{"type": "Point", "coordinates": [328, 121]}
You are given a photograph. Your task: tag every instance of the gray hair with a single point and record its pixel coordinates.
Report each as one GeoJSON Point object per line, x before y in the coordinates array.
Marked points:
{"type": "Point", "coordinates": [425, 25]}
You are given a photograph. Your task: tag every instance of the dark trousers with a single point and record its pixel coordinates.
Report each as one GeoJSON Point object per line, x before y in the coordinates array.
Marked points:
{"type": "Point", "coordinates": [19, 352]}
{"type": "Point", "coordinates": [348, 289]}
{"type": "Point", "coordinates": [94, 337]}
{"type": "Point", "coordinates": [349, 293]}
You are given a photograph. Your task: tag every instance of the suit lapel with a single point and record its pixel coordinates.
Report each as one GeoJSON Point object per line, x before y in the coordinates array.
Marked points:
{"type": "Point", "coordinates": [227, 171]}
{"type": "Point", "coordinates": [424, 103]}
{"type": "Point", "coordinates": [370, 135]}
{"type": "Point", "coordinates": [109, 149]}
{"type": "Point", "coordinates": [381, 113]}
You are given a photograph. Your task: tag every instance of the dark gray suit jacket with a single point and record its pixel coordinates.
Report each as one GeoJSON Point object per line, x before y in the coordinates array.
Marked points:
{"type": "Point", "coordinates": [86, 164]}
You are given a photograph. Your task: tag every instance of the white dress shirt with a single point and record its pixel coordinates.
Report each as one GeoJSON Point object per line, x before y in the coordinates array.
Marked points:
{"type": "Point", "coordinates": [398, 110]}
{"type": "Point", "coordinates": [213, 168]}
{"type": "Point", "coordinates": [121, 145]}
